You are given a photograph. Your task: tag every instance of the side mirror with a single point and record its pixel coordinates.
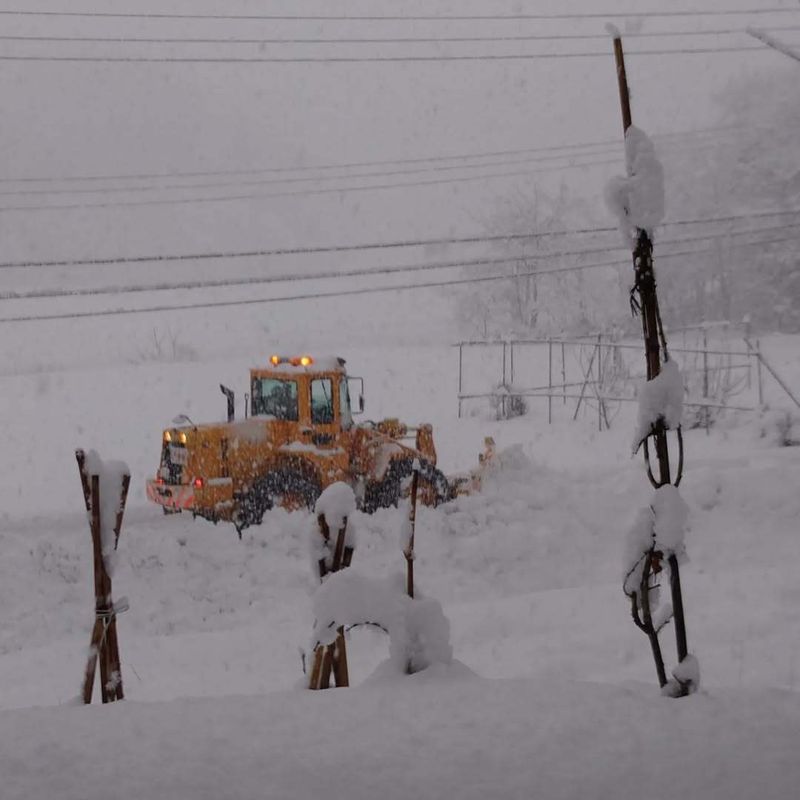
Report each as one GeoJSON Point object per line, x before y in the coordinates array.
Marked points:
{"type": "Point", "coordinates": [359, 392]}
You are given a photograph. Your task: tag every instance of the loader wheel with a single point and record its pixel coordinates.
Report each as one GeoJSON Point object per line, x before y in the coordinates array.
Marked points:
{"type": "Point", "coordinates": [443, 491]}
{"type": "Point", "coordinates": [388, 491]}
{"type": "Point", "coordinates": [266, 491]}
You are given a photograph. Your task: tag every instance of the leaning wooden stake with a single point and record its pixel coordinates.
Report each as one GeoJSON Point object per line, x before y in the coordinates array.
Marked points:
{"type": "Point", "coordinates": [408, 551]}
{"type": "Point", "coordinates": [104, 645]}
{"type": "Point", "coordinates": [332, 659]}
{"type": "Point", "coordinates": [655, 342]}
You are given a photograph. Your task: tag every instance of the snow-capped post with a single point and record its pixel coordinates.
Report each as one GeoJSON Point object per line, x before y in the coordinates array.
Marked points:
{"type": "Point", "coordinates": [657, 535]}
{"type": "Point", "coordinates": [409, 529]}
{"type": "Point", "coordinates": [333, 510]}
{"type": "Point", "coordinates": [114, 479]}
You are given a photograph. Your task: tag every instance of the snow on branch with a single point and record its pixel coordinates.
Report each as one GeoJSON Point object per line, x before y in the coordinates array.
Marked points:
{"type": "Point", "coordinates": [670, 521]}
{"type": "Point", "coordinates": [637, 200]}
{"type": "Point", "coordinates": [660, 527]}
{"type": "Point", "coordinates": [659, 399]}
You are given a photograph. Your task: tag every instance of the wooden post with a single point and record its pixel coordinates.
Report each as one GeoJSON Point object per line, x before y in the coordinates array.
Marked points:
{"type": "Point", "coordinates": [599, 391]}
{"type": "Point", "coordinates": [706, 416]}
{"type": "Point", "coordinates": [460, 375]}
{"type": "Point", "coordinates": [104, 643]}
{"type": "Point", "coordinates": [549, 380]}
{"type": "Point", "coordinates": [758, 372]}
{"type": "Point", "coordinates": [654, 342]}
{"type": "Point", "coordinates": [331, 659]}
{"type": "Point", "coordinates": [412, 520]}
{"type": "Point", "coordinates": [503, 397]}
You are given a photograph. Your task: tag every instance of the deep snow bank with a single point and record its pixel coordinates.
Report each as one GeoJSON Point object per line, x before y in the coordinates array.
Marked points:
{"type": "Point", "coordinates": [429, 735]}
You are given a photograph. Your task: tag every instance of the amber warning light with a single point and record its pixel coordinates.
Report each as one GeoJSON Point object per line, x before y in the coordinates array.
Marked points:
{"type": "Point", "coordinates": [297, 361]}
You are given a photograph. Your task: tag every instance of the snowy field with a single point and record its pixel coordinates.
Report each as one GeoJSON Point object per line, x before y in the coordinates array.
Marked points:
{"type": "Point", "coordinates": [551, 692]}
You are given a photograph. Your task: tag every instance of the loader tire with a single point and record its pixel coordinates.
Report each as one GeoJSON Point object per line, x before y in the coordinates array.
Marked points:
{"type": "Point", "coordinates": [387, 492]}
{"type": "Point", "coordinates": [443, 491]}
{"type": "Point", "coordinates": [266, 491]}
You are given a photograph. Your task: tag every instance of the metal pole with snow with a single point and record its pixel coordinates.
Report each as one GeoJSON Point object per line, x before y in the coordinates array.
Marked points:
{"type": "Point", "coordinates": [657, 535]}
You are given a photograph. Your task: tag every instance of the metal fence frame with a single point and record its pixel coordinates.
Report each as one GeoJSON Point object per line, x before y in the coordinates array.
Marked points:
{"type": "Point", "coordinates": [598, 342]}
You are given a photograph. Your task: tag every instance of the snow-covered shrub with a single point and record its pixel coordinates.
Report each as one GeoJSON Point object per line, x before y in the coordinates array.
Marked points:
{"type": "Point", "coordinates": [506, 404]}
{"type": "Point", "coordinates": [164, 346]}
{"type": "Point", "coordinates": [419, 632]}
{"type": "Point", "coordinates": [715, 381]}
{"type": "Point", "coordinates": [781, 426]}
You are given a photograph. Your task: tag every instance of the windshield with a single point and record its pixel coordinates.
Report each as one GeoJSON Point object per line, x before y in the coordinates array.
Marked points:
{"type": "Point", "coordinates": [322, 401]}
{"type": "Point", "coordinates": [275, 398]}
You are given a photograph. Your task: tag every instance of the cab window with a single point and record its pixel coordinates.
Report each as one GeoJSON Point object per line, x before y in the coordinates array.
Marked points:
{"type": "Point", "coordinates": [322, 401]}
{"type": "Point", "coordinates": [344, 405]}
{"type": "Point", "coordinates": [275, 398]}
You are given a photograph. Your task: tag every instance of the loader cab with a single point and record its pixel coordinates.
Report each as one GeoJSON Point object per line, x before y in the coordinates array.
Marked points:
{"type": "Point", "coordinates": [314, 393]}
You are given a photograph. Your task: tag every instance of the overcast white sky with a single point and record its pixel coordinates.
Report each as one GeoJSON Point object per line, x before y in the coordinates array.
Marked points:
{"type": "Point", "coordinates": [63, 118]}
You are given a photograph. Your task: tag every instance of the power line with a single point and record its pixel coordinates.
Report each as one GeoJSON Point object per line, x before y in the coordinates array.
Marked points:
{"type": "Point", "coordinates": [377, 40]}
{"type": "Point", "coordinates": [368, 59]}
{"type": "Point", "coordinates": [771, 41]}
{"type": "Point", "coordinates": [315, 178]}
{"type": "Point", "coordinates": [40, 294]}
{"type": "Point", "coordinates": [357, 164]}
{"type": "Point", "coordinates": [325, 295]}
{"type": "Point", "coordinates": [397, 18]}
{"type": "Point", "coordinates": [298, 192]}
{"type": "Point", "coordinates": [400, 243]}
{"type": "Point", "coordinates": [77, 206]}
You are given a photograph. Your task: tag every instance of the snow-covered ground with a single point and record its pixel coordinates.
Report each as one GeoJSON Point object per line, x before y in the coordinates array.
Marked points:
{"type": "Point", "coordinates": [552, 691]}
{"type": "Point", "coordinates": [557, 695]}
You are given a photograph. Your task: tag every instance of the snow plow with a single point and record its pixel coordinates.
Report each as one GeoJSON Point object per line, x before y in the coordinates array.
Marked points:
{"type": "Point", "coordinates": [298, 438]}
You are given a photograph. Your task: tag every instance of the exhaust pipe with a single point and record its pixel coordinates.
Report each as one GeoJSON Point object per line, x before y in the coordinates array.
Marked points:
{"type": "Point", "coordinates": [230, 397]}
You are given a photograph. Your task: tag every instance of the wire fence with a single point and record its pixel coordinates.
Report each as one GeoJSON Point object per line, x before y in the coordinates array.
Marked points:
{"type": "Point", "coordinates": [597, 374]}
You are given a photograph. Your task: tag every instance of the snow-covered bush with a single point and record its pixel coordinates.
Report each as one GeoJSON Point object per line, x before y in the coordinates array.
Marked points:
{"type": "Point", "coordinates": [506, 404]}
{"type": "Point", "coordinates": [164, 347]}
{"type": "Point", "coordinates": [781, 426]}
{"type": "Point", "coordinates": [419, 632]}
